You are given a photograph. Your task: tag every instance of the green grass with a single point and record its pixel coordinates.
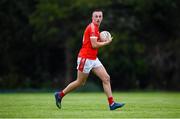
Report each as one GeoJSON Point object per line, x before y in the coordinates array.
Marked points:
{"type": "Point", "coordinates": [90, 105]}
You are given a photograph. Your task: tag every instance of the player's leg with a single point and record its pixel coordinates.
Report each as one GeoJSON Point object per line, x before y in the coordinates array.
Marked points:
{"type": "Point", "coordinates": [83, 68]}
{"type": "Point", "coordinates": [81, 79]}
{"type": "Point", "coordinates": [103, 75]}
{"type": "Point", "coordinates": [82, 74]}
{"type": "Point", "coordinates": [101, 72]}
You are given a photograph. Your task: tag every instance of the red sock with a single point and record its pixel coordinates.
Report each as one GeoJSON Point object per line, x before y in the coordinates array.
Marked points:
{"type": "Point", "coordinates": [61, 94]}
{"type": "Point", "coordinates": [110, 100]}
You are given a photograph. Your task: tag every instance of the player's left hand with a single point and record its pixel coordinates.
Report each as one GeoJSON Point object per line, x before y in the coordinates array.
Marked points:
{"type": "Point", "coordinates": [109, 40]}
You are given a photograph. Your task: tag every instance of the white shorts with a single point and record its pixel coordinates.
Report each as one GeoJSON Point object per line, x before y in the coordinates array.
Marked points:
{"type": "Point", "coordinates": [85, 65]}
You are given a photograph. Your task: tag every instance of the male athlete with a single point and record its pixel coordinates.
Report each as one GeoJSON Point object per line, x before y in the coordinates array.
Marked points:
{"type": "Point", "coordinates": [87, 61]}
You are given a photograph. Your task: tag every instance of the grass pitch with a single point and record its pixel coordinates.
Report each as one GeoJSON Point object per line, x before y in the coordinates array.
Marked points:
{"type": "Point", "coordinates": [90, 105]}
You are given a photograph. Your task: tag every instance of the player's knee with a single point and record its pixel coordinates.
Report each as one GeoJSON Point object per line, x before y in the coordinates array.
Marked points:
{"type": "Point", "coordinates": [106, 79]}
{"type": "Point", "coordinates": [80, 83]}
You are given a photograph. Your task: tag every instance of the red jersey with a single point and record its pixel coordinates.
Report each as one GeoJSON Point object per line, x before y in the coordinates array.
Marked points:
{"type": "Point", "coordinates": [87, 51]}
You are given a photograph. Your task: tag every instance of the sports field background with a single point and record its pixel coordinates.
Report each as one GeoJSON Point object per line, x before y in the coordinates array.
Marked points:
{"type": "Point", "coordinates": [90, 105]}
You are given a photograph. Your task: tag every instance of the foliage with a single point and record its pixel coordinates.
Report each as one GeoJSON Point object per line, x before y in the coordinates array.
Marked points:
{"type": "Point", "coordinates": [40, 40]}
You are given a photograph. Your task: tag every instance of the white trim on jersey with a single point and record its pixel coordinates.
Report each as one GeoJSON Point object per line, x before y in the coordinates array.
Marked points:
{"type": "Point", "coordinates": [92, 30]}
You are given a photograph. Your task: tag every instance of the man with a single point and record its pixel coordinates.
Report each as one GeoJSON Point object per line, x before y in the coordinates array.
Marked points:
{"type": "Point", "coordinates": [87, 61]}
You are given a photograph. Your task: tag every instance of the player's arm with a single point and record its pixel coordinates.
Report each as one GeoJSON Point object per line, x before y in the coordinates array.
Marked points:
{"type": "Point", "coordinates": [96, 44]}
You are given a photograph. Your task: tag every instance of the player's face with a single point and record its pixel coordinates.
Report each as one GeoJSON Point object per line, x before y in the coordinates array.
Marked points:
{"type": "Point", "coordinates": [97, 17]}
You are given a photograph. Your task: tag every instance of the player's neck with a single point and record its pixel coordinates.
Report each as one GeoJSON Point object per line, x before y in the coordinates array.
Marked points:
{"type": "Point", "coordinates": [96, 24]}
